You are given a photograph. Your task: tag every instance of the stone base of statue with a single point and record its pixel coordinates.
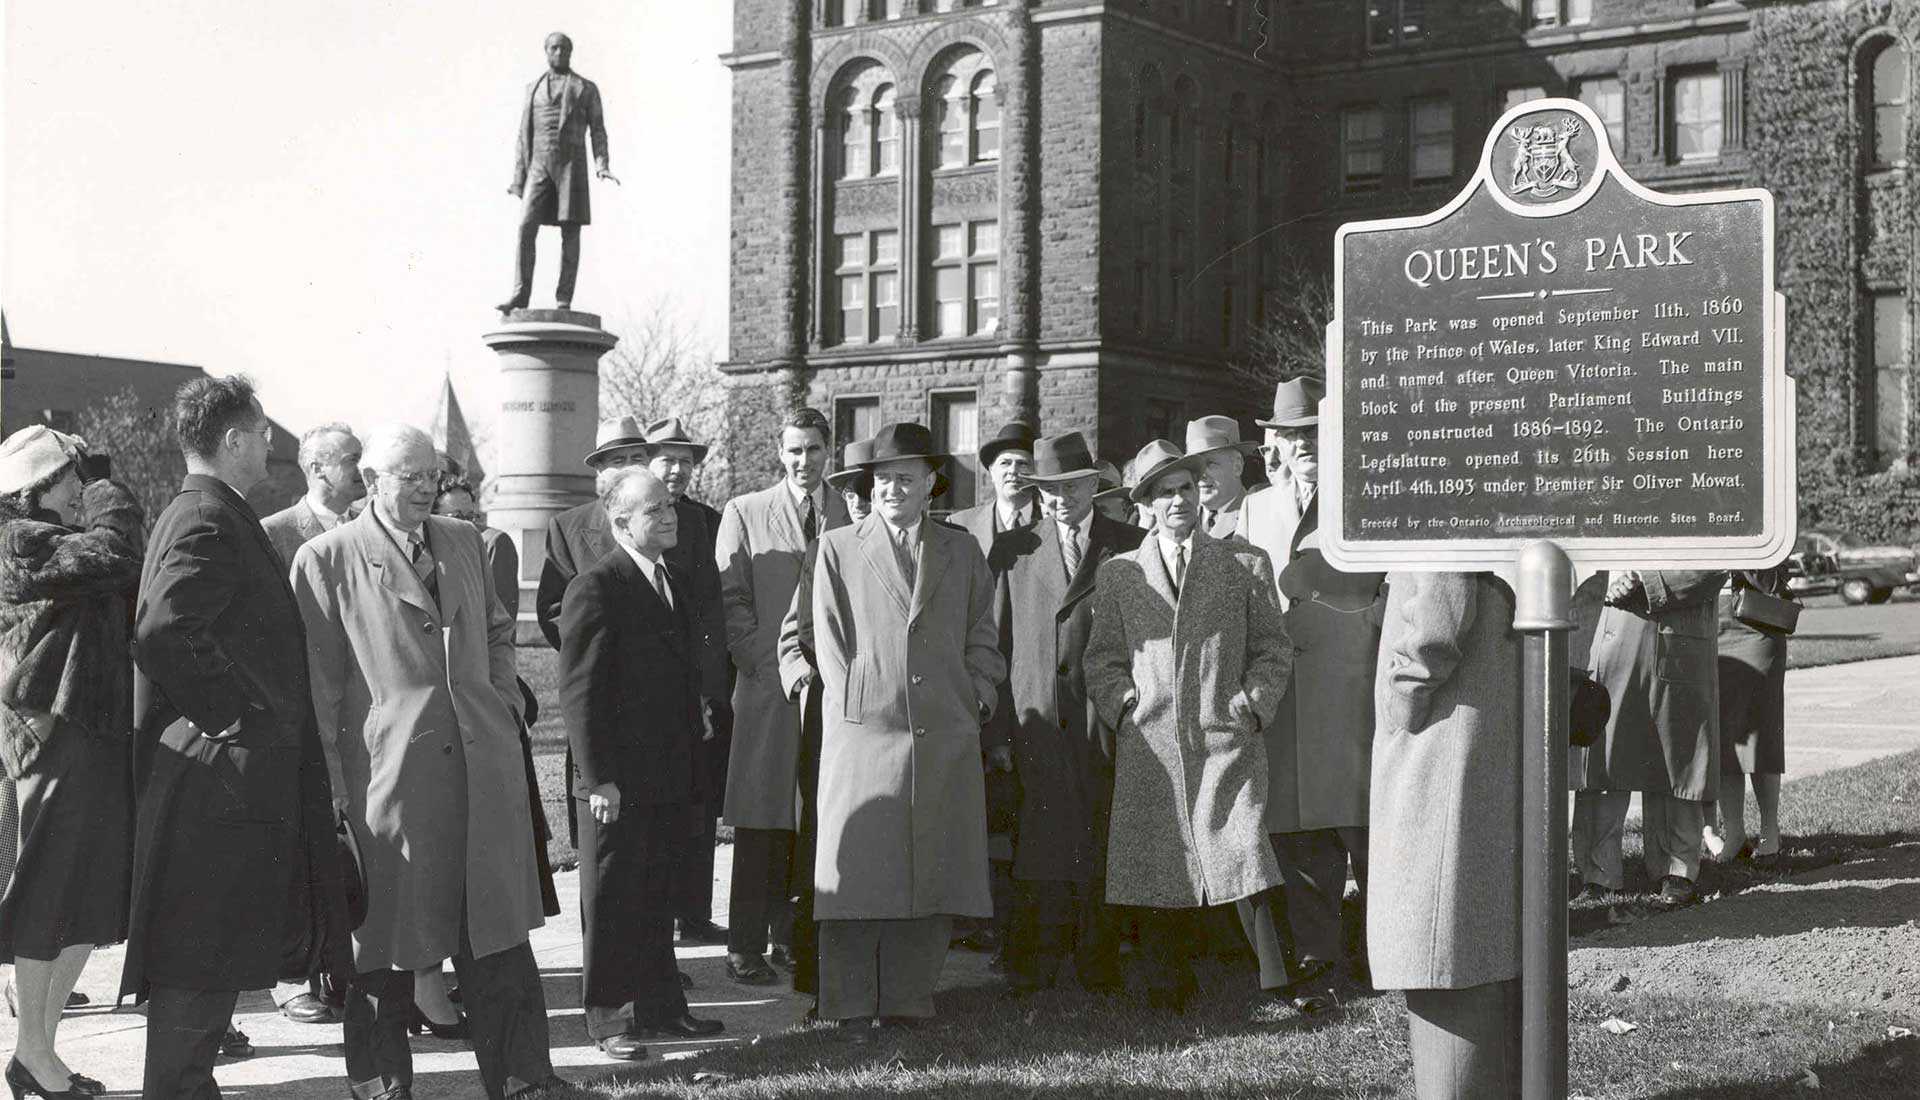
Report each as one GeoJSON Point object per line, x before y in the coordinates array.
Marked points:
{"type": "Point", "coordinates": [550, 405]}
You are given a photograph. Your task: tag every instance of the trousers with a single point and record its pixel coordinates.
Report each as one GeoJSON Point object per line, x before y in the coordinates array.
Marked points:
{"type": "Point", "coordinates": [523, 263]}
{"type": "Point", "coordinates": [1052, 921]}
{"type": "Point", "coordinates": [1670, 830]}
{"type": "Point", "coordinates": [761, 907]}
{"type": "Point", "coordinates": [184, 1028]}
{"type": "Point", "coordinates": [505, 1005]}
{"type": "Point", "coordinates": [881, 967]}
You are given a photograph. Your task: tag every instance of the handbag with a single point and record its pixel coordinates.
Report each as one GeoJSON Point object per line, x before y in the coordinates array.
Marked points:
{"type": "Point", "coordinates": [1765, 613]}
{"type": "Point", "coordinates": [1589, 706]}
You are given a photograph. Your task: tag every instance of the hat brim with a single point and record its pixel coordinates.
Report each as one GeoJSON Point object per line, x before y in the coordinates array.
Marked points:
{"type": "Point", "coordinates": [1118, 492]}
{"type": "Point", "coordinates": [1191, 463]}
{"type": "Point", "coordinates": [1056, 479]}
{"type": "Point", "coordinates": [992, 450]}
{"type": "Point", "coordinates": [869, 464]}
{"type": "Point", "coordinates": [606, 449]}
{"type": "Point", "coordinates": [840, 480]}
{"type": "Point", "coordinates": [699, 449]}
{"type": "Point", "coordinates": [1244, 447]}
{"type": "Point", "coordinates": [1291, 422]}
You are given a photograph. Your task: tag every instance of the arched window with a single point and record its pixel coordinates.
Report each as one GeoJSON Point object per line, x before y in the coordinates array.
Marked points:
{"type": "Point", "coordinates": [953, 123]}
{"type": "Point", "coordinates": [886, 133]}
{"type": "Point", "coordinates": [986, 117]}
{"type": "Point", "coordinates": [1888, 97]}
{"type": "Point", "coordinates": [851, 114]}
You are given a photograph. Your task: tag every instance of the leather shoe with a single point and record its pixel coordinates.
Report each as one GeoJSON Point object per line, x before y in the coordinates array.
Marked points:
{"type": "Point", "coordinates": [1676, 891]}
{"type": "Point", "coordinates": [750, 970]}
{"type": "Point", "coordinates": [510, 305]}
{"type": "Point", "coordinates": [686, 1026]}
{"type": "Point", "coordinates": [686, 980]}
{"type": "Point", "coordinates": [235, 1044]}
{"type": "Point", "coordinates": [859, 1029]}
{"type": "Point", "coordinates": [624, 1047]}
{"type": "Point", "coordinates": [308, 1009]}
{"type": "Point", "coordinates": [701, 931]}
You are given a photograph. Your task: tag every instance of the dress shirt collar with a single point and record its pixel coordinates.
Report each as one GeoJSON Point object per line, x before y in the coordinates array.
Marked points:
{"type": "Point", "coordinates": [400, 538]}
{"type": "Point", "coordinates": [819, 497]}
{"type": "Point", "coordinates": [1169, 548]}
{"type": "Point", "coordinates": [910, 533]}
{"type": "Point", "coordinates": [1084, 528]}
{"type": "Point", "coordinates": [1012, 518]}
{"type": "Point", "coordinates": [328, 519]}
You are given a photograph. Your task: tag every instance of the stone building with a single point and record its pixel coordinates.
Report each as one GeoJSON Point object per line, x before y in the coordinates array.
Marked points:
{"type": "Point", "coordinates": [1076, 211]}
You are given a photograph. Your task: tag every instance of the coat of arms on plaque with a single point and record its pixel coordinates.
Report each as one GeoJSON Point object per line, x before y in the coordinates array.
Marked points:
{"type": "Point", "coordinates": [1542, 164]}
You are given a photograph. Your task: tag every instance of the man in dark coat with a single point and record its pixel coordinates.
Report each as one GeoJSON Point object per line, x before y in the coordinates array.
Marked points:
{"type": "Point", "coordinates": [580, 536]}
{"type": "Point", "coordinates": [1063, 753]}
{"type": "Point", "coordinates": [631, 691]}
{"type": "Point", "coordinates": [235, 883]}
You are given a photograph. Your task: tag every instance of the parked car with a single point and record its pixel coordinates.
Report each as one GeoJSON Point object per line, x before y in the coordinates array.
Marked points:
{"type": "Point", "coordinates": [1831, 561]}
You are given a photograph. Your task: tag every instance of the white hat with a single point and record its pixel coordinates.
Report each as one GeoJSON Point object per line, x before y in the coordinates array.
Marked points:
{"type": "Point", "coordinates": [33, 454]}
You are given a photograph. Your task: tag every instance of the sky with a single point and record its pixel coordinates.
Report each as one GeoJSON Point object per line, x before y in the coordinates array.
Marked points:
{"type": "Point", "coordinates": [314, 193]}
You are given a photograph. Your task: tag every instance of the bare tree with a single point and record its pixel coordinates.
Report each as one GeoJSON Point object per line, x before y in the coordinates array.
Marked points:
{"type": "Point", "coordinates": [1291, 340]}
{"type": "Point", "coordinates": [660, 368]}
{"type": "Point", "coordinates": [139, 439]}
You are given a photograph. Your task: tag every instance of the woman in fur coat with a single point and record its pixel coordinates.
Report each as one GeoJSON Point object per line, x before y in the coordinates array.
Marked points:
{"type": "Point", "coordinates": [69, 572]}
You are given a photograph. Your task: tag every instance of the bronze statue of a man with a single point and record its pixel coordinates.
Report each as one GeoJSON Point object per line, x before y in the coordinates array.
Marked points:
{"type": "Point", "coordinates": [560, 111]}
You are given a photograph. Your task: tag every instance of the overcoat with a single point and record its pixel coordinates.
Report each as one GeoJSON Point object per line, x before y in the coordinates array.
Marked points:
{"type": "Point", "coordinates": [291, 526]}
{"type": "Point", "coordinates": [234, 864]}
{"type": "Point", "coordinates": [1001, 544]}
{"type": "Point", "coordinates": [1442, 894]}
{"type": "Point", "coordinates": [419, 711]}
{"type": "Point", "coordinates": [630, 687]}
{"type": "Point", "coordinates": [503, 561]}
{"type": "Point", "coordinates": [1188, 682]}
{"type": "Point", "coordinates": [1062, 751]}
{"type": "Point", "coordinates": [1319, 746]}
{"type": "Point", "coordinates": [758, 550]}
{"type": "Point", "coordinates": [566, 165]}
{"type": "Point", "coordinates": [906, 678]}
{"type": "Point", "coordinates": [1660, 668]}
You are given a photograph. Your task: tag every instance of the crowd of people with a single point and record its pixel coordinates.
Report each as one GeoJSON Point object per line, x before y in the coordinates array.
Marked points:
{"type": "Point", "coordinates": [1098, 715]}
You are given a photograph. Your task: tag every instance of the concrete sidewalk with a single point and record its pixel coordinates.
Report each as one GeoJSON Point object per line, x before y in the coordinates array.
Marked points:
{"type": "Point", "coordinates": [1837, 716]}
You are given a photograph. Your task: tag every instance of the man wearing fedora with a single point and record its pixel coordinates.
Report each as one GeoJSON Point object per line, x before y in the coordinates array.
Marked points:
{"type": "Point", "coordinates": [762, 541]}
{"type": "Point", "coordinates": [1114, 498]}
{"type": "Point", "coordinates": [1062, 752]}
{"type": "Point", "coordinates": [800, 678]}
{"type": "Point", "coordinates": [1188, 660]}
{"type": "Point", "coordinates": [580, 536]}
{"type": "Point", "coordinates": [1319, 747]}
{"type": "Point", "coordinates": [1213, 442]}
{"type": "Point", "coordinates": [909, 668]}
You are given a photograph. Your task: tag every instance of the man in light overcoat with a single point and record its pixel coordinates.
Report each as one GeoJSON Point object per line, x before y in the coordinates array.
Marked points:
{"type": "Point", "coordinates": [1063, 753]}
{"type": "Point", "coordinates": [1319, 746]}
{"type": "Point", "coordinates": [1188, 661]}
{"type": "Point", "coordinates": [410, 654]}
{"type": "Point", "coordinates": [1656, 651]}
{"type": "Point", "coordinates": [904, 639]}
{"type": "Point", "coordinates": [1443, 915]}
{"type": "Point", "coordinates": [763, 537]}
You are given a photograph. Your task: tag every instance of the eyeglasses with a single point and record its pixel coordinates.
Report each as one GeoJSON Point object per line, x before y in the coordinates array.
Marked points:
{"type": "Point", "coordinates": [411, 481]}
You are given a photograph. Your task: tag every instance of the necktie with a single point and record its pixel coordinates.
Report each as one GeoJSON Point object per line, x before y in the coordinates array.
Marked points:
{"type": "Point", "coordinates": [903, 553]}
{"type": "Point", "coordinates": [809, 523]}
{"type": "Point", "coordinates": [1070, 550]}
{"type": "Point", "coordinates": [1179, 567]}
{"type": "Point", "coordinates": [660, 585]}
{"type": "Point", "coordinates": [423, 564]}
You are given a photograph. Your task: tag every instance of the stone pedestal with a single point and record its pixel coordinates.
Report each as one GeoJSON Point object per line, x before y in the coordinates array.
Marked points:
{"type": "Point", "coordinates": [550, 362]}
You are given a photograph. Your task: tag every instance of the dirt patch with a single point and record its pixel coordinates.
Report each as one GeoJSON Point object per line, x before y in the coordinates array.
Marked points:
{"type": "Point", "coordinates": [1846, 936]}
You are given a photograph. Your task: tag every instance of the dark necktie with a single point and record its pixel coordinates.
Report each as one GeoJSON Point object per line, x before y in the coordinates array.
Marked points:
{"type": "Point", "coordinates": [903, 553]}
{"type": "Point", "coordinates": [809, 523]}
{"type": "Point", "coordinates": [1070, 550]}
{"type": "Point", "coordinates": [661, 585]}
{"type": "Point", "coordinates": [1179, 567]}
{"type": "Point", "coordinates": [424, 566]}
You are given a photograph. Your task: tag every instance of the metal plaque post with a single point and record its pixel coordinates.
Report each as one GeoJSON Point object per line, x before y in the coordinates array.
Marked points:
{"type": "Point", "coordinates": [1542, 596]}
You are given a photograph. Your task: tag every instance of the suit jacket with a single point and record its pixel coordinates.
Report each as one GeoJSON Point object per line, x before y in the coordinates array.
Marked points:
{"type": "Point", "coordinates": [905, 679]}
{"type": "Point", "coordinates": [1226, 522]}
{"type": "Point", "coordinates": [759, 550]}
{"type": "Point", "coordinates": [291, 526]}
{"type": "Point", "coordinates": [234, 861]}
{"type": "Point", "coordinates": [503, 561]}
{"type": "Point", "coordinates": [580, 118]}
{"type": "Point", "coordinates": [1189, 681]}
{"type": "Point", "coordinates": [419, 711]}
{"type": "Point", "coordinates": [1063, 752]}
{"type": "Point", "coordinates": [1441, 911]}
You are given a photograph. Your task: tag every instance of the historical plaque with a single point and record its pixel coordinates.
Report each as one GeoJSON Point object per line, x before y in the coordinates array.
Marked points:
{"type": "Point", "coordinates": [1560, 353]}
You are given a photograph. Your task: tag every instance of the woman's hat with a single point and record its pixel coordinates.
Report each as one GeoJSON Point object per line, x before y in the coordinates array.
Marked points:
{"type": "Point", "coordinates": [1011, 437]}
{"type": "Point", "coordinates": [34, 454]}
{"type": "Point", "coordinates": [1058, 458]}
{"type": "Point", "coordinates": [615, 435]}
{"type": "Point", "coordinates": [1296, 403]}
{"type": "Point", "coordinates": [671, 430]}
{"type": "Point", "coordinates": [1211, 434]}
{"type": "Point", "coordinates": [1156, 460]}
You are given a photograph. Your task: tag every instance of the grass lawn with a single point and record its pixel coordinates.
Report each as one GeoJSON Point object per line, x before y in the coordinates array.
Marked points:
{"type": "Point", "coordinates": [1831, 632]}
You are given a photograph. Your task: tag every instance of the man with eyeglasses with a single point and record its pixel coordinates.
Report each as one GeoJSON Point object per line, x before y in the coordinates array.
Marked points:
{"type": "Point", "coordinates": [411, 660]}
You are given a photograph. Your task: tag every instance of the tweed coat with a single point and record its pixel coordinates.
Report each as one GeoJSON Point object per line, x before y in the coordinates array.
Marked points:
{"type": "Point", "coordinates": [907, 678]}
{"type": "Point", "coordinates": [631, 692]}
{"type": "Point", "coordinates": [233, 847]}
{"type": "Point", "coordinates": [580, 118]}
{"type": "Point", "coordinates": [1062, 752]}
{"type": "Point", "coordinates": [1661, 668]}
{"type": "Point", "coordinates": [1188, 682]}
{"type": "Point", "coordinates": [759, 549]}
{"type": "Point", "coordinates": [1442, 893]}
{"type": "Point", "coordinates": [420, 714]}
{"type": "Point", "coordinates": [291, 526]}
{"type": "Point", "coordinates": [1319, 747]}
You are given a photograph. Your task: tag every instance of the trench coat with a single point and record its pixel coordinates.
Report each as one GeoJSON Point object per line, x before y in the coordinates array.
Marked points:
{"type": "Point", "coordinates": [1660, 668]}
{"type": "Point", "coordinates": [1062, 752]}
{"type": "Point", "coordinates": [758, 550]}
{"type": "Point", "coordinates": [1320, 745]}
{"type": "Point", "coordinates": [1443, 891]}
{"type": "Point", "coordinates": [907, 678]}
{"type": "Point", "coordinates": [419, 711]}
{"type": "Point", "coordinates": [630, 686]}
{"type": "Point", "coordinates": [1188, 682]}
{"type": "Point", "coordinates": [236, 882]}
{"type": "Point", "coordinates": [580, 118]}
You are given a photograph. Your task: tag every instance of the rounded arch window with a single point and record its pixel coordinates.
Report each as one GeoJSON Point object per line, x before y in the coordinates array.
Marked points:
{"type": "Point", "coordinates": [859, 112]}
{"type": "Point", "coordinates": [966, 111]}
{"type": "Point", "coordinates": [886, 133]}
{"type": "Point", "coordinates": [986, 117]}
{"type": "Point", "coordinates": [1888, 68]}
